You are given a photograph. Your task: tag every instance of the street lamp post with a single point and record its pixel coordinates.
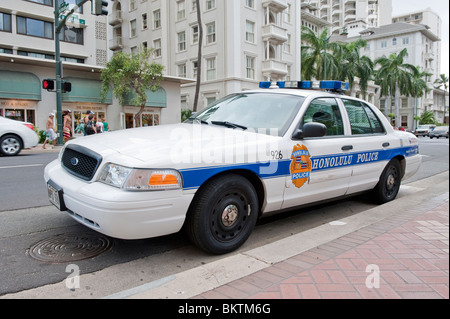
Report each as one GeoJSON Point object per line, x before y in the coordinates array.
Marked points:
{"type": "Point", "coordinates": [60, 7]}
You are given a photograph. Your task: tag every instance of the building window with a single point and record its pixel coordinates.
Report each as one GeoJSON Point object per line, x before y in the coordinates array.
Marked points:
{"type": "Point", "coordinates": [287, 45]}
{"type": "Point", "coordinates": [181, 41]}
{"type": "Point", "coordinates": [250, 3]}
{"type": "Point", "coordinates": [133, 28]}
{"type": "Point", "coordinates": [132, 5]}
{"type": "Point", "coordinates": [33, 27]}
{"type": "Point", "coordinates": [182, 70]}
{"type": "Point", "coordinates": [394, 41]}
{"type": "Point", "coordinates": [250, 32]}
{"type": "Point", "coordinates": [194, 68]}
{"type": "Point", "coordinates": [181, 10]}
{"type": "Point", "coordinates": [46, 2]}
{"type": "Point", "coordinates": [383, 44]}
{"type": "Point", "coordinates": [144, 21]}
{"type": "Point", "coordinates": [157, 19]}
{"type": "Point", "coordinates": [72, 35]}
{"type": "Point", "coordinates": [287, 14]}
{"type": "Point", "coordinates": [405, 41]}
{"type": "Point", "coordinates": [211, 33]}
{"type": "Point", "coordinates": [5, 22]}
{"type": "Point", "coordinates": [195, 31]}
{"type": "Point", "coordinates": [210, 4]}
{"type": "Point", "coordinates": [157, 47]}
{"type": "Point", "coordinates": [211, 69]}
{"type": "Point", "coordinates": [250, 68]}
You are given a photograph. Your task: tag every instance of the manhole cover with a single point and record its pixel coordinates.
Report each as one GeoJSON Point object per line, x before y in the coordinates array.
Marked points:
{"type": "Point", "coordinates": [72, 247]}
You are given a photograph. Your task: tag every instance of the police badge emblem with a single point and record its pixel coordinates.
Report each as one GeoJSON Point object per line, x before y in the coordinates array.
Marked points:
{"type": "Point", "coordinates": [301, 165]}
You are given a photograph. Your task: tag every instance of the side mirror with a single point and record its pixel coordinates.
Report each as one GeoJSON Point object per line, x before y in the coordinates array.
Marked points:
{"type": "Point", "coordinates": [312, 129]}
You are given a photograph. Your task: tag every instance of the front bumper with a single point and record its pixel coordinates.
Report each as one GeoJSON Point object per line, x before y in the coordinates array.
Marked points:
{"type": "Point", "coordinates": [117, 213]}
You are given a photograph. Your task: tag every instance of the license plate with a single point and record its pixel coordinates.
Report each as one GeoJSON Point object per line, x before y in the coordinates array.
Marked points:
{"type": "Point", "coordinates": [55, 196]}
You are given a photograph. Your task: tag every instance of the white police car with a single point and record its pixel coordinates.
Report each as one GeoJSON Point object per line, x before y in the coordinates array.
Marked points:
{"type": "Point", "coordinates": [249, 154]}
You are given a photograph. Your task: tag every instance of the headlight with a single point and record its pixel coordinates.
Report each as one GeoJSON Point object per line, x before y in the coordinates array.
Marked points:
{"type": "Point", "coordinates": [133, 179]}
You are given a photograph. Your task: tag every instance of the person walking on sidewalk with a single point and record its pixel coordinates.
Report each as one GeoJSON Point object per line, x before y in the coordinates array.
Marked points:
{"type": "Point", "coordinates": [51, 135]}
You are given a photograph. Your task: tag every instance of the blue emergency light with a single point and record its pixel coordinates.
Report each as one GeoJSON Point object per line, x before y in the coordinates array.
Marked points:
{"type": "Point", "coordinates": [308, 85]}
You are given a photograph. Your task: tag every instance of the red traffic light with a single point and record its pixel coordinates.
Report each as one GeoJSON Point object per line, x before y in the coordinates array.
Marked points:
{"type": "Point", "coordinates": [48, 85]}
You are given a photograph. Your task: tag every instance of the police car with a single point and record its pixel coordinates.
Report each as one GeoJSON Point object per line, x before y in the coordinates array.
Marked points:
{"type": "Point", "coordinates": [249, 154]}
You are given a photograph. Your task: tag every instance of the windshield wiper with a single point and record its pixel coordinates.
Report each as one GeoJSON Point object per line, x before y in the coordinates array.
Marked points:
{"type": "Point", "coordinates": [199, 120]}
{"type": "Point", "coordinates": [228, 124]}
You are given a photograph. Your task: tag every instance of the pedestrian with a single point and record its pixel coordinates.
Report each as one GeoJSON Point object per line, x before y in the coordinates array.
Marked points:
{"type": "Point", "coordinates": [67, 129]}
{"type": "Point", "coordinates": [50, 135]}
{"type": "Point", "coordinates": [99, 126]}
{"type": "Point", "coordinates": [90, 126]}
{"type": "Point", "coordinates": [105, 126]}
{"type": "Point", "coordinates": [86, 120]}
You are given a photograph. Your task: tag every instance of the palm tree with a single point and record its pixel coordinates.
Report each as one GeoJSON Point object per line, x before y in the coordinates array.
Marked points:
{"type": "Point", "coordinates": [395, 76]}
{"type": "Point", "coordinates": [353, 65]}
{"type": "Point", "coordinates": [318, 56]}
{"type": "Point", "coordinates": [418, 88]}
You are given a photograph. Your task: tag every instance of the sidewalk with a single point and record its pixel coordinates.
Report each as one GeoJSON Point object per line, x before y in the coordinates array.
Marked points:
{"type": "Point", "coordinates": [402, 257]}
{"type": "Point", "coordinates": [399, 250]}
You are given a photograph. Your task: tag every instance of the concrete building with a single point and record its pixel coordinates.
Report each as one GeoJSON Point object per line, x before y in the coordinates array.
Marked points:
{"type": "Point", "coordinates": [423, 46]}
{"type": "Point", "coordinates": [244, 41]}
{"type": "Point", "coordinates": [27, 56]}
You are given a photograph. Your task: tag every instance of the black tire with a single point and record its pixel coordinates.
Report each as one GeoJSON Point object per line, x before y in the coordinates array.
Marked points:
{"type": "Point", "coordinates": [223, 214]}
{"type": "Point", "coordinates": [10, 145]}
{"type": "Point", "coordinates": [389, 184]}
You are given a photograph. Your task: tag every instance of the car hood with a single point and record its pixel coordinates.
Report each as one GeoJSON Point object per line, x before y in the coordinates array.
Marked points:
{"type": "Point", "coordinates": [180, 145]}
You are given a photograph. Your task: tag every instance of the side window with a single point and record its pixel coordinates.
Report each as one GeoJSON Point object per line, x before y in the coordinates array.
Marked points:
{"type": "Point", "coordinates": [325, 111]}
{"type": "Point", "coordinates": [362, 119]}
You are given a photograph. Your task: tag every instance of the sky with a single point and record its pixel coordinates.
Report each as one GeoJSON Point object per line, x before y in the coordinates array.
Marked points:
{"type": "Point", "coordinates": [441, 7]}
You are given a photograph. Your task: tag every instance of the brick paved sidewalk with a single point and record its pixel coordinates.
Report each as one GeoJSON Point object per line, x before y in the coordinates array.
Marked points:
{"type": "Point", "coordinates": [402, 257]}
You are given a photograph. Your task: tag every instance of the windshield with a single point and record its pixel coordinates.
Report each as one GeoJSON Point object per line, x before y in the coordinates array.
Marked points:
{"type": "Point", "coordinates": [262, 112]}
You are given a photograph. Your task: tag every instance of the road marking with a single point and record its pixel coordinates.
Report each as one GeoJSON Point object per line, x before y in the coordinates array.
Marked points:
{"type": "Point", "coordinates": [21, 166]}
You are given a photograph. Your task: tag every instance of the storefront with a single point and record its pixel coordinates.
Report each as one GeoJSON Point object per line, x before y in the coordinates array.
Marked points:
{"type": "Point", "coordinates": [156, 101]}
{"type": "Point", "coordinates": [19, 95]}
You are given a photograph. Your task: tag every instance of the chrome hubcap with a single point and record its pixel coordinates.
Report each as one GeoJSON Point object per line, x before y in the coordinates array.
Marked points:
{"type": "Point", "coordinates": [230, 215]}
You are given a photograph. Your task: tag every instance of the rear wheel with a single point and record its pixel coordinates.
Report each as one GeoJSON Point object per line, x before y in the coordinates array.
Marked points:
{"type": "Point", "coordinates": [389, 184]}
{"type": "Point", "coordinates": [223, 215]}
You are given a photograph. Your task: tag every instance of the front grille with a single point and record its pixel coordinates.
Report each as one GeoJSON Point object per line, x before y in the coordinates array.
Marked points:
{"type": "Point", "coordinates": [81, 162]}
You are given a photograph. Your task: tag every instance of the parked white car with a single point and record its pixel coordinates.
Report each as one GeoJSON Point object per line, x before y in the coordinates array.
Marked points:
{"type": "Point", "coordinates": [249, 154]}
{"type": "Point", "coordinates": [15, 136]}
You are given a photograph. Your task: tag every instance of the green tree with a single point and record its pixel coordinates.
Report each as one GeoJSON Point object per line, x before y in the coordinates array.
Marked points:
{"type": "Point", "coordinates": [318, 56]}
{"type": "Point", "coordinates": [395, 76]}
{"type": "Point", "coordinates": [442, 81]}
{"type": "Point", "coordinates": [353, 65]}
{"type": "Point", "coordinates": [419, 87]}
{"type": "Point", "coordinates": [132, 73]}
{"type": "Point", "coordinates": [427, 118]}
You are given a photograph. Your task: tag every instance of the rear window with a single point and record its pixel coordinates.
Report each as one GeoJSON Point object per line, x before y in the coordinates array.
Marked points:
{"type": "Point", "coordinates": [362, 119]}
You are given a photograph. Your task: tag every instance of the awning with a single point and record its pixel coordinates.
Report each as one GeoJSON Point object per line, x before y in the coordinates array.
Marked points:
{"type": "Point", "coordinates": [19, 85]}
{"type": "Point", "coordinates": [154, 99]}
{"type": "Point", "coordinates": [86, 90]}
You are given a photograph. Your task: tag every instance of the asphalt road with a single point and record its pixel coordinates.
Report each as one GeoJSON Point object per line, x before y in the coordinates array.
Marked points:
{"type": "Point", "coordinates": [27, 218]}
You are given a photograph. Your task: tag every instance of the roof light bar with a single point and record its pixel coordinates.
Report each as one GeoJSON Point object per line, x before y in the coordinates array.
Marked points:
{"type": "Point", "coordinates": [308, 85]}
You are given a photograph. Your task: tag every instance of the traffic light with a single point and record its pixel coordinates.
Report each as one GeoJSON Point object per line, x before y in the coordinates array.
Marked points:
{"type": "Point", "coordinates": [66, 87]}
{"type": "Point", "coordinates": [98, 7]}
{"type": "Point", "coordinates": [48, 85]}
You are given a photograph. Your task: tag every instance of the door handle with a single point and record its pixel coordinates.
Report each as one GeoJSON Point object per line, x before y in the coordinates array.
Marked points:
{"type": "Point", "coordinates": [386, 144]}
{"type": "Point", "coordinates": [347, 147]}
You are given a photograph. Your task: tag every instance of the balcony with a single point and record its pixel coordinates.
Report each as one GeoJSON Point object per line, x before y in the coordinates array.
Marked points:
{"type": "Point", "coordinates": [115, 18]}
{"type": "Point", "coordinates": [116, 44]}
{"type": "Point", "coordinates": [277, 5]}
{"type": "Point", "coordinates": [275, 69]}
{"type": "Point", "coordinates": [274, 33]}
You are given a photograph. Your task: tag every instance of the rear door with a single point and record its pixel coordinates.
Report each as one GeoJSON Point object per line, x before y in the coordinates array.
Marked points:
{"type": "Point", "coordinates": [320, 168]}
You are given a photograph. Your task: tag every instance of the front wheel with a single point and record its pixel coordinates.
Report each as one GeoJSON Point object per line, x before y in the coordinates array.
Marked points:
{"type": "Point", "coordinates": [389, 184]}
{"type": "Point", "coordinates": [223, 214]}
{"type": "Point", "coordinates": [10, 145]}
